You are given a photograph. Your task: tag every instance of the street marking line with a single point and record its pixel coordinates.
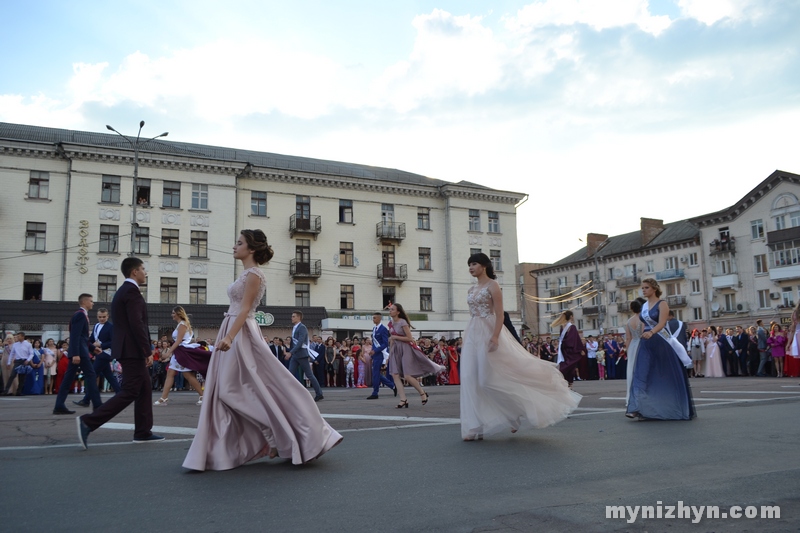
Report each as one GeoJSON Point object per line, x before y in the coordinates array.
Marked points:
{"type": "Point", "coordinates": [746, 392]}
{"type": "Point", "coordinates": [175, 430]}
{"type": "Point", "coordinates": [397, 427]}
{"type": "Point", "coordinates": [23, 448]}
{"type": "Point", "coordinates": [392, 418]}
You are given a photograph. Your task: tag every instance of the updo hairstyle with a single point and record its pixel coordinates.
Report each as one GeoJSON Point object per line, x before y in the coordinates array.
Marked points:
{"type": "Point", "coordinates": [257, 241]}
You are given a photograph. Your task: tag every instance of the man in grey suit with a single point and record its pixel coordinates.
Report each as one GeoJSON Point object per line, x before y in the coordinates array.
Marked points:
{"type": "Point", "coordinates": [761, 335]}
{"type": "Point", "coordinates": [298, 354]}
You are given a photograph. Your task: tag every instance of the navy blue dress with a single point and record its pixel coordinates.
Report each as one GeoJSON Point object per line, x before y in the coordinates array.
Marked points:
{"type": "Point", "coordinates": [660, 386]}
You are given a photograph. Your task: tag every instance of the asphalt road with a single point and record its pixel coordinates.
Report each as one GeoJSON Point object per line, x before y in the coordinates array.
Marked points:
{"type": "Point", "coordinates": [409, 471]}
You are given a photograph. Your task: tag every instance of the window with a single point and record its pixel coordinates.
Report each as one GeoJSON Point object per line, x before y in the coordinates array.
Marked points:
{"type": "Point", "coordinates": [730, 302]}
{"type": "Point", "coordinates": [763, 299]}
{"type": "Point", "coordinates": [169, 290]}
{"type": "Point", "coordinates": [110, 190]}
{"type": "Point", "coordinates": [723, 267]}
{"type": "Point", "coordinates": [494, 255]}
{"type": "Point", "coordinates": [679, 314]}
{"type": "Point", "coordinates": [631, 294]}
{"type": "Point", "coordinates": [615, 321]}
{"type": "Point", "coordinates": [547, 284]}
{"type": "Point", "coordinates": [142, 191]}
{"type": "Point", "coordinates": [612, 296]}
{"type": "Point", "coordinates": [387, 213]}
{"type": "Point", "coordinates": [198, 291]}
{"type": "Point", "coordinates": [474, 220]}
{"type": "Point", "coordinates": [258, 203]}
{"type": "Point", "coordinates": [596, 299]}
{"type": "Point", "coordinates": [143, 290]}
{"type": "Point", "coordinates": [169, 242]}
{"type": "Point", "coordinates": [788, 297]}
{"type": "Point", "coordinates": [39, 185]}
{"type": "Point", "coordinates": [346, 211]}
{"type": "Point", "coordinates": [693, 261]}
{"type": "Point", "coordinates": [494, 222]}
{"type": "Point", "coordinates": [302, 295]}
{"type": "Point", "coordinates": [760, 263]}
{"type": "Point", "coordinates": [785, 254]}
{"type": "Point", "coordinates": [650, 266]}
{"type": "Point", "coordinates": [302, 255]}
{"type": "Point", "coordinates": [577, 279]}
{"type": "Point", "coordinates": [697, 312]}
{"type": "Point", "coordinates": [475, 251]}
{"type": "Point", "coordinates": [199, 196]}
{"type": "Point", "coordinates": [670, 263]}
{"type": "Point", "coordinates": [794, 219]}
{"type": "Point", "coordinates": [423, 218]}
{"type": "Point", "coordinates": [347, 296]}
{"type": "Point", "coordinates": [388, 296]}
{"type": "Point", "coordinates": [106, 288]}
{"type": "Point", "coordinates": [562, 281]}
{"type": "Point", "coordinates": [424, 258]}
{"type": "Point", "coordinates": [695, 286]}
{"type": "Point", "coordinates": [109, 241]}
{"type": "Point", "coordinates": [580, 323]}
{"type": "Point", "coordinates": [757, 229]}
{"type": "Point", "coordinates": [425, 299]}
{"type": "Point", "coordinates": [346, 254]}
{"type": "Point", "coordinates": [172, 194]}
{"type": "Point", "coordinates": [198, 245]}
{"type": "Point", "coordinates": [35, 236]}
{"type": "Point", "coordinates": [780, 222]}
{"type": "Point", "coordinates": [141, 241]}
{"type": "Point", "coordinates": [630, 270]}
{"type": "Point", "coordinates": [673, 289]}
{"type": "Point", "coordinates": [548, 307]}
{"type": "Point", "coordinates": [610, 273]}
{"type": "Point", "coordinates": [32, 285]}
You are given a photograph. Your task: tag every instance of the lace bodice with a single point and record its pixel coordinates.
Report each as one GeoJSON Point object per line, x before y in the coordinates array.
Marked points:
{"type": "Point", "coordinates": [236, 292]}
{"type": "Point", "coordinates": [480, 302]}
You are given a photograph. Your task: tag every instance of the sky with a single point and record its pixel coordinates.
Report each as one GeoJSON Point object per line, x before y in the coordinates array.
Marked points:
{"type": "Point", "coordinates": [602, 111]}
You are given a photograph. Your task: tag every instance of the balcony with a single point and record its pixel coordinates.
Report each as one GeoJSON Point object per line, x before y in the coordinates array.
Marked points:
{"type": "Point", "coordinates": [783, 273]}
{"type": "Point", "coordinates": [725, 281]}
{"type": "Point", "coordinates": [598, 286]}
{"type": "Point", "coordinates": [311, 225]}
{"type": "Point", "coordinates": [393, 273]}
{"type": "Point", "coordinates": [594, 310]}
{"type": "Point", "coordinates": [395, 231]}
{"type": "Point", "coordinates": [718, 246]}
{"type": "Point", "coordinates": [623, 307]}
{"type": "Point", "coordinates": [783, 235]}
{"type": "Point", "coordinates": [672, 273]}
{"type": "Point", "coordinates": [300, 269]}
{"type": "Point", "coordinates": [629, 281]}
{"type": "Point", "coordinates": [676, 301]}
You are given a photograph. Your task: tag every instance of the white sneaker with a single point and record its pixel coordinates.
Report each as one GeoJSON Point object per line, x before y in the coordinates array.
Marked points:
{"type": "Point", "coordinates": [200, 401]}
{"type": "Point", "coordinates": [161, 401]}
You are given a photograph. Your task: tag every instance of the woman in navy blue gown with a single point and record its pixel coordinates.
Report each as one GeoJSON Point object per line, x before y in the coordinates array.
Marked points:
{"type": "Point", "coordinates": [660, 386]}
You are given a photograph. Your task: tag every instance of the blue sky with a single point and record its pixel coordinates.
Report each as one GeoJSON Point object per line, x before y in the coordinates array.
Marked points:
{"type": "Point", "coordinates": [603, 111]}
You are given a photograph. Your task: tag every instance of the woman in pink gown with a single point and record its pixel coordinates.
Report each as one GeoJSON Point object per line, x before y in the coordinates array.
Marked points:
{"type": "Point", "coordinates": [791, 366]}
{"type": "Point", "coordinates": [253, 406]}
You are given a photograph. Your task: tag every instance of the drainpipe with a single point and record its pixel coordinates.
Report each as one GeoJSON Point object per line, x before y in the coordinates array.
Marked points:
{"type": "Point", "coordinates": [448, 254]}
{"type": "Point", "coordinates": [60, 151]}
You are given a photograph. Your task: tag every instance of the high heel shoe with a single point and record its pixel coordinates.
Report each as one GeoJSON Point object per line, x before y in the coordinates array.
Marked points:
{"type": "Point", "coordinates": [426, 398]}
{"type": "Point", "coordinates": [403, 403]}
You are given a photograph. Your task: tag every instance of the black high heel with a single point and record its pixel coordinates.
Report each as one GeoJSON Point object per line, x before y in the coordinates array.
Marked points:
{"type": "Point", "coordinates": [403, 403]}
{"type": "Point", "coordinates": [426, 398]}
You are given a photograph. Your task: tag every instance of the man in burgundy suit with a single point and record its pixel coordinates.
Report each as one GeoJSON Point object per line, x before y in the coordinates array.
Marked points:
{"type": "Point", "coordinates": [131, 347]}
{"type": "Point", "coordinates": [570, 346]}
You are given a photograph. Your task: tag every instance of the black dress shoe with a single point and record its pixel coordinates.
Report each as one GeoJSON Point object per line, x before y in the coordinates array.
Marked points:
{"type": "Point", "coordinates": [151, 438]}
{"type": "Point", "coordinates": [372, 397]}
{"type": "Point", "coordinates": [83, 432]}
{"type": "Point", "coordinates": [64, 411]}
{"type": "Point", "coordinates": [395, 391]}
{"type": "Point", "coordinates": [318, 398]}
{"type": "Point", "coordinates": [81, 403]}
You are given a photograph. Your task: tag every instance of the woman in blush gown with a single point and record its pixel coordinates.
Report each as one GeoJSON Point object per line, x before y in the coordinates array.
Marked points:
{"type": "Point", "coordinates": [502, 387]}
{"type": "Point", "coordinates": [405, 358]}
{"type": "Point", "coordinates": [713, 356]}
{"type": "Point", "coordinates": [660, 387]}
{"type": "Point", "coordinates": [633, 334]}
{"type": "Point", "coordinates": [253, 406]}
{"type": "Point", "coordinates": [791, 366]}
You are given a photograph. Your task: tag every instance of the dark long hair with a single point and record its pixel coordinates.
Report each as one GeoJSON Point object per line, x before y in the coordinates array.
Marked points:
{"type": "Point", "coordinates": [483, 260]}
{"type": "Point", "coordinates": [401, 313]}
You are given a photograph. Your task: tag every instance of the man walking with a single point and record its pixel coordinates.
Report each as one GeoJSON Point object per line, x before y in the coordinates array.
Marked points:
{"type": "Point", "coordinates": [761, 335]}
{"type": "Point", "coordinates": [101, 339]}
{"type": "Point", "coordinates": [298, 354]}
{"type": "Point", "coordinates": [380, 348]}
{"type": "Point", "coordinates": [78, 351]}
{"type": "Point", "coordinates": [131, 347]}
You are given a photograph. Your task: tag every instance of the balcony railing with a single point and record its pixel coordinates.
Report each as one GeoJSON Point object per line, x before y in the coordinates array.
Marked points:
{"type": "Point", "coordinates": [593, 310]}
{"type": "Point", "coordinates": [672, 273]}
{"type": "Point", "coordinates": [783, 235]}
{"type": "Point", "coordinates": [718, 246]}
{"type": "Point", "coordinates": [392, 272]}
{"type": "Point", "coordinates": [676, 301]}
{"type": "Point", "coordinates": [623, 307]}
{"type": "Point", "coordinates": [390, 230]}
{"type": "Point", "coordinates": [564, 290]}
{"type": "Point", "coordinates": [312, 225]}
{"type": "Point", "coordinates": [302, 269]}
{"type": "Point", "coordinates": [629, 281]}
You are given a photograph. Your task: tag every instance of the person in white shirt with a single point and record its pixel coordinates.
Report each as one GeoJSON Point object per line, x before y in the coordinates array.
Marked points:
{"type": "Point", "coordinates": [21, 355]}
{"type": "Point", "coordinates": [591, 351]}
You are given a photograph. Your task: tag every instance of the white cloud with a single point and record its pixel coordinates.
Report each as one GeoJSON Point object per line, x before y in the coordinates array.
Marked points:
{"type": "Point", "coordinates": [711, 11]}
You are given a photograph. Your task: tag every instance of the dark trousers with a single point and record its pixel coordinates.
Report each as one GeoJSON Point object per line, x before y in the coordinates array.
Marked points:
{"type": "Point", "coordinates": [593, 374]}
{"type": "Point", "coordinates": [135, 389]}
{"type": "Point", "coordinates": [377, 377]}
{"type": "Point", "coordinates": [19, 377]}
{"type": "Point", "coordinates": [89, 381]}
{"type": "Point", "coordinates": [733, 363]}
{"type": "Point", "coordinates": [753, 362]}
{"type": "Point", "coordinates": [611, 367]}
{"type": "Point", "coordinates": [724, 360]}
{"type": "Point", "coordinates": [102, 367]}
{"type": "Point", "coordinates": [743, 362]}
{"type": "Point", "coordinates": [305, 365]}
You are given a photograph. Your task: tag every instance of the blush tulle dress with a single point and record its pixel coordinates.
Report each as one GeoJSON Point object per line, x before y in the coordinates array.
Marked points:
{"type": "Point", "coordinates": [509, 387]}
{"type": "Point", "coordinates": [252, 403]}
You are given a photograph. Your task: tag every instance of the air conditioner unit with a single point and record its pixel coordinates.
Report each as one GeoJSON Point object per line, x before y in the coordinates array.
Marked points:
{"type": "Point", "coordinates": [684, 259]}
{"type": "Point", "coordinates": [742, 307]}
{"type": "Point", "coordinates": [774, 296]}
{"type": "Point", "coordinates": [715, 314]}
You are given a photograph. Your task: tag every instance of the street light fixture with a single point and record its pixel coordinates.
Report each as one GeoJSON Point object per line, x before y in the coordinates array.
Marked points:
{"type": "Point", "coordinates": [136, 145]}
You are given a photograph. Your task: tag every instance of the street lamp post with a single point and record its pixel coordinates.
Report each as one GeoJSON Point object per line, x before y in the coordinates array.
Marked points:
{"type": "Point", "coordinates": [135, 145]}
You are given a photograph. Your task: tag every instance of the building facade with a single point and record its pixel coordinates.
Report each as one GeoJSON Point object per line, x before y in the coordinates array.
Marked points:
{"type": "Point", "coordinates": [347, 237]}
{"type": "Point", "coordinates": [724, 269]}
